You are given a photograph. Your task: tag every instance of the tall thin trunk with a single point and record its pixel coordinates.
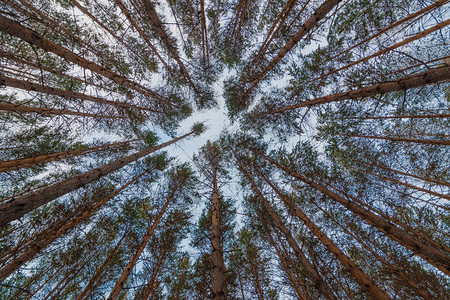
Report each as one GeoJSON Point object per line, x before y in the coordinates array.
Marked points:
{"type": "Point", "coordinates": [435, 257]}
{"type": "Point", "coordinates": [424, 10]}
{"type": "Point", "coordinates": [404, 184]}
{"type": "Point", "coordinates": [312, 22]}
{"type": "Point", "coordinates": [218, 290]}
{"type": "Point", "coordinates": [142, 34]}
{"type": "Point", "coordinates": [35, 87]}
{"type": "Point", "coordinates": [150, 289]}
{"type": "Point", "coordinates": [309, 269]}
{"type": "Point", "coordinates": [17, 164]}
{"type": "Point", "coordinates": [5, 106]}
{"type": "Point", "coordinates": [400, 139]}
{"type": "Point", "coordinates": [45, 283]}
{"type": "Point", "coordinates": [158, 26]}
{"type": "Point", "coordinates": [151, 229]}
{"type": "Point", "coordinates": [393, 269]}
{"type": "Point", "coordinates": [285, 265]}
{"type": "Point", "coordinates": [364, 280]}
{"type": "Point", "coordinates": [430, 76]}
{"type": "Point", "coordinates": [398, 117]}
{"type": "Point", "coordinates": [51, 233]}
{"type": "Point", "coordinates": [385, 50]}
{"type": "Point", "coordinates": [16, 29]}
{"type": "Point", "coordinates": [89, 287]}
{"type": "Point", "coordinates": [428, 179]}
{"type": "Point", "coordinates": [274, 29]}
{"type": "Point", "coordinates": [16, 208]}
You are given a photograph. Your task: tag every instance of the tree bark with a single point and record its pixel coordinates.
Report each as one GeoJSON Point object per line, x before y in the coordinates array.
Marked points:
{"type": "Point", "coordinates": [16, 29]}
{"type": "Point", "coordinates": [431, 76]}
{"type": "Point", "coordinates": [309, 269]}
{"type": "Point", "coordinates": [400, 139]}
{"type": "Point", "coordinates": [35, 87]}
{"type": "Point", "coordinates": [435, 257]}
{"type": "Point", "coordinates": [218, 290]}
{"type": "Point", "coordinates": [151, 229]}
{"type": "Point", "coordinates": [312, 22]}
{"type": "Point", "coordinates": [17, 164]}
{"type": "Point", "coordinates": [364, 280]}
{"type": "Point", "coordinates": [5, 106]}
{"type": "Point", "coordinates": [57, 229]}
{"type": "Point", "coordinates": [16, 208]}
{"type": "Point", "coordinates": [156, 22]}
{"type": "Point", "coordinates": [90, 285]}
{"type": "Point", "coordinates": [385, 50]}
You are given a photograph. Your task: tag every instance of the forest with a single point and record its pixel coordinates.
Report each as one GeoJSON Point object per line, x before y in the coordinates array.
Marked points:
{"type": "Point", "coordinates": [224, 149]}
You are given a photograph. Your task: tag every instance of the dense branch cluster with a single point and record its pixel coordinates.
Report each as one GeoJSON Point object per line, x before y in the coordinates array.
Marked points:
{"type": "Point", "coordinates": [332, 183]}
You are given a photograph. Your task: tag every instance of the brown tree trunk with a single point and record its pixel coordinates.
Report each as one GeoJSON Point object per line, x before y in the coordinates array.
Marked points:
{"type": "Point", "coordinates": [385, 50]}
{"type": "Point", "coordinates": [16, 29]}
{"type": "Point", "coordinates": [35, 87]}
{"type": "Point", "coordinates": [90, 286]}
{"type": "Point", "coordinates": [218, 289]}
{"type": "Point", "coordinates": [51, 233]}
{"type": "Point", "coordinates": [431, 76]}
{"type": "Point", "coordinates": [364, 280]}
{"type": "Point", "coordinates": [129, 267]}
{"type": "Point", "coordinates": [399, 117]}
{"type": "Point", "coordinates": [44, 284]}
{"type": "Point", "coordinates": [399, 139]}
{"type": "Point", "coordinates": [402, 173]}
{"type": "Point", "coordinates": [41, 67]}
{"type": "Point", "coordinates": [430, 7]}
{"type": "Point", "coordinates": [285, 265]}
{"type": "Point", "coordinates": [142, 34]}
{"type": "Point", "coordinates": [434, 256]}
{"type": "Point", "coordinates": [309, 269]}
{"type": "Point", "coordinates": [17, 164]}
{"type": "Point", "coordinates": [16, 208]}
{"type": "Point", "coordinates": [393, 269]}
{"type": "Point", "coordinates": [5, 106]}
{"type": "Point", "coordinates": [150, 289]}
{"type": "Point", "coordinates": [404, 184]}
{"type": "Point", "coordinates": [312, 22]}
{"type": "Point", "coordinates": [158, 26]}
{"type": "Point", "coordinates": [274, 29]}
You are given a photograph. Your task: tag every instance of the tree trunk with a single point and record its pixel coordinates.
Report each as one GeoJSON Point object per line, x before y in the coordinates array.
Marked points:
{"type": "Point", "coordinates": [400, 139]}
{"type": "Point", "coordinates": [309, 269]}
{"type": "Point", "coordinates": [393, 269]}
{"type": "Point", "coordinates": [158, 26]}
{"type": "Point", "coordinates": [218, 289]}
{"type": "Point", "coordinates": [17, 164]}
{"type": "Point", "coordinates": [403, 173]}
{"type": "Point", "coordinates": [127, 271]}
{"type": "Point", "coordinates": [16, 208]}
{"type": "Point", "coordinates": [398, 117]}
{"type": "Point", "coordinates": [44, 284]}
{"type": "Point", "coordinates": [149, 290]}
{"type": "Point", "coordinates": [285, 265]}
{"type": "Point", "coordinates": [142, 34]}
{"type": "Point", "coordinates": [16, 29]}
{"type": "Point", "coordinates": [404, 184]}
{"type": "Point", "coordinates": [430, 7]}
{"type": "Point", "coordinates": [57, 229]}
{"type": "Point", "coordinates": [385, 50]}
{"type": "Point", "coordinates": [35, 87]}
{"type": "Point", "coordinates": [430, 76]}
{"type": "Point", "coordinates": [434, 256]}
{"type": "Point", "coordinates": [5, 106]}
{"type": "Point", "coordinates": [94, 278]}
{"type": "Point", "coordinates": [364, 280]}
{"type": "Point", "coordinates": [312, 22]}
